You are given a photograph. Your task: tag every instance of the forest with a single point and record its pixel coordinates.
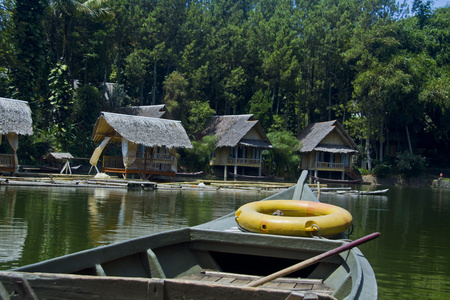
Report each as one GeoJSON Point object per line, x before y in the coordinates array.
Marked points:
{"type": "Point", "coordinates": [380, 67]}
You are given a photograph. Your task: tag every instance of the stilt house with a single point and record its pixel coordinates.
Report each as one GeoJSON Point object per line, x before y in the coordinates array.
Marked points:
{"type": "Point", "coordinates": [240, 142]}
{"type": "Point", "coordinates": [149, 145]}
{"type": "Point", "coordinates": [327, 150]}
{"type": "Point", "coordinates": [15, 120]}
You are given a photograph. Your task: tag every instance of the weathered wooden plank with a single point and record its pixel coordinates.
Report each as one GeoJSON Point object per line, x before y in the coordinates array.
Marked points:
{"type": "Point", "coordinates": [226, 280]}
{"type": "Point", "coordinates": [67, 286]}
{"type": "Point", "coordinates": [253, 277]}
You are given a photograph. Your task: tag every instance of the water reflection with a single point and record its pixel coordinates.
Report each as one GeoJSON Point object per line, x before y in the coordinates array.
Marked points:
{"type": "Point", "coordinates": [411, 258]}
{"type": "Point", "coordinates": [41, 223]}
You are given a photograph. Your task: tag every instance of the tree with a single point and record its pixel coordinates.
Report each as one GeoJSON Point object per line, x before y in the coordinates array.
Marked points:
{"type": "Point", "coordinates": [136, 69]}
{"type": "Point", "coordinates": [261, 108]}
{"type": "Point", "coordinates": [175, 88]}
{"type": "Point", "coordinates": [59, 106]}
{"type": "Point", "coordinates": [29, 45]}
{"type": "Point", "coordinates": [63, 14]}
{"type": "Point", "coordinates": [197, 158]}
{"type": "Point", "coordinates": [199, 114]}
{"type": "Point", "coordinates": [6, 42]}
{"type": "Point", "coordinates": [233, 88]}
{"type": "Point", "coordinates": [283, 159]}
{"type": "Point", "coordinates": [422, 10]}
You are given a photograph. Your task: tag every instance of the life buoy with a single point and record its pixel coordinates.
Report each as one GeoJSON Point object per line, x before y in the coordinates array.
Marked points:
{"type": "Point", "coordinates": [293, 217]}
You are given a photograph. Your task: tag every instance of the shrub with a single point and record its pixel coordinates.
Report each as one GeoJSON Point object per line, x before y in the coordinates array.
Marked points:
{"type": "Point", "coordinates": [409, 164]}
{"type": "Point", "coordinates": [382, 170]}
{"type": "Point", "coordinates": [283, 159]}
{"type": "Point", "coordinates": [197, 158]}
{"type": "Point", "coordinates": [364, 171]}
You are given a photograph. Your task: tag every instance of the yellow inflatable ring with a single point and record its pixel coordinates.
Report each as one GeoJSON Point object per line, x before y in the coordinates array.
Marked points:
{"type": "Point", "coordinates": [293, 217]}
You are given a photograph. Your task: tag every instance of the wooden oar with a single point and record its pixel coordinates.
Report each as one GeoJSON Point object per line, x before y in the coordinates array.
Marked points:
{"type": "Point", "coordinates": [313, 260]}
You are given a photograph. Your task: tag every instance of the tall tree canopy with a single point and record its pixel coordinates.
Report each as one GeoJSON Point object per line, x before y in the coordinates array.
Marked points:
{"type": "Point", "coordinates": [381, 69]}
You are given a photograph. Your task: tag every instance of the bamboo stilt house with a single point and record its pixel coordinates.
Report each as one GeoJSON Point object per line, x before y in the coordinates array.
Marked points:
{"type": "Point", "coordinates": [15, 120]}
{"type": "Point", "coordinates": [240, 142]}
{"type": "Point", "coordinates": [148, 144]}
{"type": "Point", "coordinates": [328, 149]}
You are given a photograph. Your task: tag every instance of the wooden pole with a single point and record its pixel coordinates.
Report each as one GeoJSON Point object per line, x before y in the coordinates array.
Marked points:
{"type": "Point", "coordinates": [313, 260]}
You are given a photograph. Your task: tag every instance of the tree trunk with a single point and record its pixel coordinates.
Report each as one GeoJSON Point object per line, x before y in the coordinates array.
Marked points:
{"type": "Point", "coordinates": [381, 142]}
{"type": "Point", "coordinates": [329, 102]}
{"type": "Point", "coordinates": [141, 93]}
{"type": "Point", "coordinates": [369, 160]}
{"type": "Point", "coordinates": [409, 139]}
{"type": "Point", "coordinates": [154, 85]}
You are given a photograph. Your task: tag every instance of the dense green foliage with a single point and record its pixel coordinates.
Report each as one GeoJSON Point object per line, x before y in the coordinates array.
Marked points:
{"type": "Point", "coordinates": [379, 70]}
{"type": "Point", "coordinates": [283, 159]}
{"type": "Point", "coordinates": [198, 157]}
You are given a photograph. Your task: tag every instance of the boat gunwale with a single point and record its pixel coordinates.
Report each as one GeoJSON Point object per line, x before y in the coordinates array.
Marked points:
{"type": "Point", "coordinates": [74, 262]}
{"type": "Point", "coordinates": [153, 286]}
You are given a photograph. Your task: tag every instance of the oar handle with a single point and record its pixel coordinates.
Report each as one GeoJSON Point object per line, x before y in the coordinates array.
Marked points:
{"type": "Point", "coordinates": [313, 260]}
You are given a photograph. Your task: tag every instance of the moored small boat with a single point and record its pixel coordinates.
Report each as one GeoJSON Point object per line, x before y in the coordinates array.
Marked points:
{"type": "Point", "coordinates": [215, 260]}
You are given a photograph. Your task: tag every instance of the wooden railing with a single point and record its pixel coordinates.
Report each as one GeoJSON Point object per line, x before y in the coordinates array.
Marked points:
{"type": "Point", "coordinates": [329, 165]}
{"type": "Point", "coordinates": [242, 161]}
{"type": "Point", "coordinates": [239, 161]}
{"type": "Point", "coordinates": [162, 162]}
{"type": "Point", "coordinates": [7, 160]}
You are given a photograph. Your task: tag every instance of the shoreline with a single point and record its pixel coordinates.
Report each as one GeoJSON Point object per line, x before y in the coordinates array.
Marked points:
{"type": "Point", "coordinates": [80, 180]}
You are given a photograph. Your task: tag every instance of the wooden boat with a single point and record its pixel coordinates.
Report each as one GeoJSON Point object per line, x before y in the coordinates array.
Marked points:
{"type": "Point", "coordinates": [249, 177]}
{"type": "Point", "coordinates": [189, 174]}
{"type": "Point", "coordinates": [338, 181]}
{"type": "Point", "coordinates": [376, 192]}
{"type": "Point", "coordinates": [357, 192]}
{"type": "Point", "coordinates": [215, 260]}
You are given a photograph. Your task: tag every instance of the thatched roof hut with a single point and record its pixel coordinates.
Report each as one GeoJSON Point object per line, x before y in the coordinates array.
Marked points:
{"type": "Point", "coordinates": [313, 138]}
{"type": "Point", "coordinates": [328, 148]}
{"type": "Point", "coordinates": [233, 130]}
{"type": "Point", "coordinates": [57, 156]}
{"type": "Point", "coordinates": [154, 111]}
{"type": "Point", "coordinates": [150, 132]}
{"type": "Point", "coordinates": [15, 117]}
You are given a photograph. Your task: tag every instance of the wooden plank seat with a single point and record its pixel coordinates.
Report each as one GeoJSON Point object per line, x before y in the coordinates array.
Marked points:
{"type": "Point", "coordinates": [292, 284]}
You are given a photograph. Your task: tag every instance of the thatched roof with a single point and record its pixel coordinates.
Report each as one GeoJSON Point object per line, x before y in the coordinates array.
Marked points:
{"type": "Point", "coordinates": [147, 131]}
{"type": "Point", "coordinates": [312, 136]}
{"type": "Point", "coordinates": [15, 116]}
{"type": "Point", "coordinates": [153, 111]}
{"type": "Point", "coordinates": [58, 155]}
{"type": "Point", "coordinates": [231, 130]}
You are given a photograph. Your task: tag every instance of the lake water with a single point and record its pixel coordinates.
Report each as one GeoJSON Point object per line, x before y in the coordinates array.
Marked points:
{"type": "Point", "coordinates": [411, 258]}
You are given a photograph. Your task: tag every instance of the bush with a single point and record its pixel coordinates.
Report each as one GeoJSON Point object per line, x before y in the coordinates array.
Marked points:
{"type": "Point", "coordinates": [409, 165]}
{"type": "Point", "coordinates": [364, 171]}
{"type": "Point", "coordinates": [197, 158]}
{"type": "Point", "coordinates": [382, 170]}
{"type": "Point", "coordinates": [283, 158]}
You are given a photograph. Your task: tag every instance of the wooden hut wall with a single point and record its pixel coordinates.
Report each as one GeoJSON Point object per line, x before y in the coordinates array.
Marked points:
{"type": "Point", "coordinates": [333, 139]}
{"type": "Point", "coordinates": [252, 134]}
{"type": "Point", "coordinates": [308, 160]}
{"type": "Point", "coordinates": [221, 155]}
